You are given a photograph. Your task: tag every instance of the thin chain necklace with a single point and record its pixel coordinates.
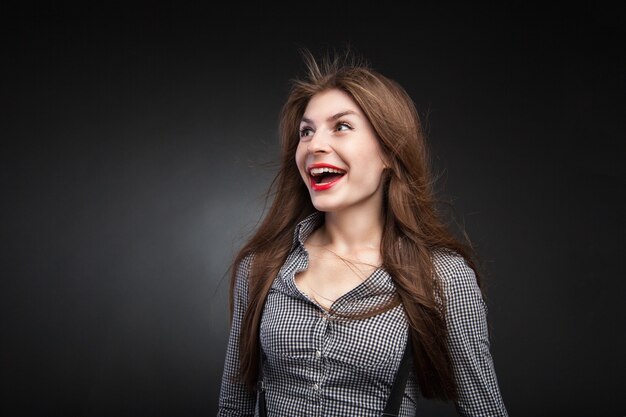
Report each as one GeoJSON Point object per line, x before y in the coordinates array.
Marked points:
{"type": "Point", "coordinates": [321, 296]}
{"type": "Point", "coordinates": [351, 266]}
{"type": "Point", "coordinates": [351, 263]}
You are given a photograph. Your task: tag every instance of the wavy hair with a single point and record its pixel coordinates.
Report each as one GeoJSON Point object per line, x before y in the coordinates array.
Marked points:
{"type": "Point", "coordinates": [413, 226]}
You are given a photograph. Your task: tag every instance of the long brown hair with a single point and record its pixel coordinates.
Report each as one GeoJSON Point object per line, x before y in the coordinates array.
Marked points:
{"type": "Point", "coordinates": [413, 227]}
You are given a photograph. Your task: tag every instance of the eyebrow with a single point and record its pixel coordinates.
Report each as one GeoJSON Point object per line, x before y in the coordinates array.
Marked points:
{"type": "Point", "coordinates": [333, 117]}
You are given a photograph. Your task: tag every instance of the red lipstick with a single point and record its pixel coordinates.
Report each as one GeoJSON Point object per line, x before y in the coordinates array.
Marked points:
{"type": "Point", "coordinates": [323, 176]}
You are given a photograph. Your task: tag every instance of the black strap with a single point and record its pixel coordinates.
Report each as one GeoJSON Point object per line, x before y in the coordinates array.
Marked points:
{"type": "Point", "coordinates": [392, 409]}
{"type": "Point", "coordinates": [261, 402]}
{"type": "Point", "coordinates": [260, 386]}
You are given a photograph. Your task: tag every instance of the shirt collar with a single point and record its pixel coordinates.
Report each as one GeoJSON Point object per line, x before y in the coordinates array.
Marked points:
{"type": "Point", "coordinates": [305, 227]}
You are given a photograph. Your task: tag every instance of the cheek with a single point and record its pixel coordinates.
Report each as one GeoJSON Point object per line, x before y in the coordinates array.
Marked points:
{"type": "Point", "coordinates": [370, 164]}
{"type": "Point", "coordinates": [300, 159]}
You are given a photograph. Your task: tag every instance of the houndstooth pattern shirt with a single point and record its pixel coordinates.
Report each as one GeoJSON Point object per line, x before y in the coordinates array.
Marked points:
{"type": "Point", "coordinates": [316, 364]}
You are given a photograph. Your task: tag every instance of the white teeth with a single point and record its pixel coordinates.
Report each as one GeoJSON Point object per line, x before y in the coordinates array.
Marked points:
{"type": "Point", "coordinates": [319, 171]}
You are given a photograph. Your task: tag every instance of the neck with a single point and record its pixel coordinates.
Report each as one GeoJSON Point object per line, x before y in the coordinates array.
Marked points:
{"type": "Point", "coordinates": [353, 230]}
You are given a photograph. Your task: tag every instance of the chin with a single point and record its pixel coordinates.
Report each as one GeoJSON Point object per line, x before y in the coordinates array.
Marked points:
{"type": "Point", "coordinates": [326, 206]}
{"type": "Point", "coordinates": [322, 205]}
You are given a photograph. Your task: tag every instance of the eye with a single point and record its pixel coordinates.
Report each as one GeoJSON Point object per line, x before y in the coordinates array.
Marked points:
{"type": "Point", "coordinates": [305, 131]}
{"type": "Point", "coordinates": [342, 126]}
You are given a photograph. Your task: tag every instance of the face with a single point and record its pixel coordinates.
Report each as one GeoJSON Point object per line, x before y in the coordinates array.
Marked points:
{"type": "Point", "coordinates": [339, 156]}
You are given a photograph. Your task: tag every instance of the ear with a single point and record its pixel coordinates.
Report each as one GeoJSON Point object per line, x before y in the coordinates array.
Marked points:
{"type": "Point", "coordinates": [386, 162]}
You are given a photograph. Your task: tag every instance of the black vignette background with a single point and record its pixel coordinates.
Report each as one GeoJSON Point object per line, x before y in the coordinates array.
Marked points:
{"type": "Point", "coordinates": [138, 140]}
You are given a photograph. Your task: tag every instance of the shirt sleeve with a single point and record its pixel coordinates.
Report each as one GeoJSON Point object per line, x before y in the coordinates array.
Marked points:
{"type": "Point", "coordinates": [235, 399]}
{"type": "Point", "coordinates": [468, 340]}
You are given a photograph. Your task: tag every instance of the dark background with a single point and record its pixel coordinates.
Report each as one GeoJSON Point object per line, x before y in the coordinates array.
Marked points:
{"type": "Point", "coordinates": [137, 143]}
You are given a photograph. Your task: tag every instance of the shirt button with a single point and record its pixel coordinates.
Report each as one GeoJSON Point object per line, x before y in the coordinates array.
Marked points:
{"type": "Point", "coordinates": [316, 387]}
{"type": "Point", "coordinates": [318, 354]}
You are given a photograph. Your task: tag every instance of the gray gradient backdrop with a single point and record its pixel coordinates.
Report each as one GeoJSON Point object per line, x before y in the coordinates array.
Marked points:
{"type": "Point", "coordinates": [137, 143]}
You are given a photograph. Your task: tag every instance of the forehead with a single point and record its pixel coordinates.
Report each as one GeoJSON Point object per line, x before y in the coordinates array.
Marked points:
{"type": "Point", "coordinates": [329, 103]}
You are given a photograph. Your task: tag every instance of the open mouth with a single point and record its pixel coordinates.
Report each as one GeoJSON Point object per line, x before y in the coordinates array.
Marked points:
{"type": "Point", "coordinates": [325, 177]}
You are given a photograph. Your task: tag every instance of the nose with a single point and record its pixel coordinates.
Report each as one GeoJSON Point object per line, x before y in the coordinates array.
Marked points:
{"type": "Point", "coordinates": [319, 143]}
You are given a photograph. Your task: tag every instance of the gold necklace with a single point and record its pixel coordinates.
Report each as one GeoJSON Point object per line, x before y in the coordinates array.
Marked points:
{"type": "Point", "coordinates": [320, 295]}
{"type": "Point", "coordinates": [351, 264]}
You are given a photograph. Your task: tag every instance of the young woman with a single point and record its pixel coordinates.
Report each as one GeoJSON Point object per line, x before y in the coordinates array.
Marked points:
{"type": "Point", "coordinates": [352, 264]}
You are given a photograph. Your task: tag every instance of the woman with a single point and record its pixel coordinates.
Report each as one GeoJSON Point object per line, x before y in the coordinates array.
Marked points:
{"type": "Point", "coordinates": [352, 264]}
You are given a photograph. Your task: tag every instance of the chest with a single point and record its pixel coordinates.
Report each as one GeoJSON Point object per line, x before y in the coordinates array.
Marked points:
{"type": "Point", "coordinates": [327, 278]}
{"type": "Point", "coordinates": [295, 333]}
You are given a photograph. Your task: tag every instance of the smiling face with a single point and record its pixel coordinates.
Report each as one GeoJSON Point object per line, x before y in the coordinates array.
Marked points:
{"type": "Point", "coordinates": [339, 156]}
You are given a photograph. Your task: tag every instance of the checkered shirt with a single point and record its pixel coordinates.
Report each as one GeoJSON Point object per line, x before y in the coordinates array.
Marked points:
{"type": "Point", "coordinates": [317, 364]}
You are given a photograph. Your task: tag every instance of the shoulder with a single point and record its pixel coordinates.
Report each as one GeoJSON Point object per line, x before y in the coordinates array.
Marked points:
{"type": "Point", "coordinates": [450, 267]}
{"type": "Point", "coordinates": [242, 272]}
{"type": "Point", "coordinates": [456, 277]}
{"type": "Point", "coordinates": [244, 265]}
